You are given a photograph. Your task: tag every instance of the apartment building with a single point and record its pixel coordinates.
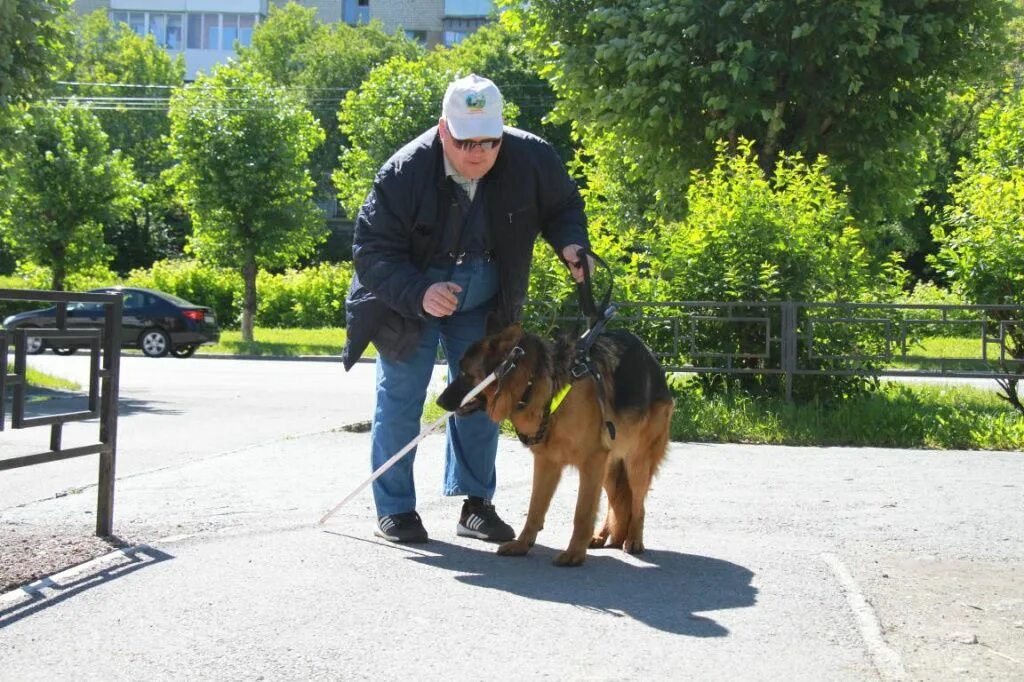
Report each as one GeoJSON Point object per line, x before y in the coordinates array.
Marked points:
{"type": "Point", "coordinates": [206, 31]}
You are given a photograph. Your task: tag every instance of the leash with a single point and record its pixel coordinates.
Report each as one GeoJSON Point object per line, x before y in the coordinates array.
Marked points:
{"type": "Point", "coordinates": [500, 372]}
{"type": "Point", "coordinates": [583, 365]}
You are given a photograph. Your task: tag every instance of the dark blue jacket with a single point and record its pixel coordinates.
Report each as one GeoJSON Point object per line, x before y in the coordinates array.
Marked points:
{"type": "Point", "coordinates": [399, 228]}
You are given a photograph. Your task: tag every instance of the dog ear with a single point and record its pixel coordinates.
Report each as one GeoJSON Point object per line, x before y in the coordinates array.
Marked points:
{"type": "Point", "coordinates": [505, 397]}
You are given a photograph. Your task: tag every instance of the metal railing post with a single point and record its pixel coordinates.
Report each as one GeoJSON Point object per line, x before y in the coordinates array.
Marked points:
{"type": "Point", "coordinates": [789, 342]}
{"type": "Point", "coordinates": [108, 419]}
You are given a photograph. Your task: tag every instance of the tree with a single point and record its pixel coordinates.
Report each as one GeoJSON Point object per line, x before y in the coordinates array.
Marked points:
{"type": "Point", "coordinates": [951, 140]}
{"type": "Point", "coordinates": [981, 233]}
{"type": "Point", "coordinates": [132, 77]}
{"type": "Point", "coordinates": [750, 237]}
{"type": "Point", "coordinates": [65, 185]}
{"type": "Point", "coordinates": [243, 147]}
{"type": "Point", "coordinates": [32, 39]}
{"type": "Point", "coordinates": [323, 62]}
{"type": "Point", "coordinates": [857, 81]}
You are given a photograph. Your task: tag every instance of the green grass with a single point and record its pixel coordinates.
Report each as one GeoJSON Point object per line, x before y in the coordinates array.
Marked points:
{"type": "Point", "coordinates": [43, 380]}
{"type": "Point", "coordinates": [283, 343]}
{"type": "Point", "coordinates": [925, 354]}
{"type": "Point", "coordinates": [897, 415]}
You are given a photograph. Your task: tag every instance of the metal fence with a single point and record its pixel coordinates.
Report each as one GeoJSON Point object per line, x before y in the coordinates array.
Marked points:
{"type": "Point", "coordinates": [105, 357]}
{"type": "Point", "coordinates": [794, 339]}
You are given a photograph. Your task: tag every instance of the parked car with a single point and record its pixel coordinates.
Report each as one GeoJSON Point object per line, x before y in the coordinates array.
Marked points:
{"type": "Point", "coordinates": [153, 321]}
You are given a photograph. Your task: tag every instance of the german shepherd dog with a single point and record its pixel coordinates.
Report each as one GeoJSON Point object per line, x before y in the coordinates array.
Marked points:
{"type": "Point", "coordinates": [623, 457]}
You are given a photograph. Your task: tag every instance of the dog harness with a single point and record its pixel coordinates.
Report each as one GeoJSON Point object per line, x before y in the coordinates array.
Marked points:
{"type": "Point", "coordinates": [583, 365]}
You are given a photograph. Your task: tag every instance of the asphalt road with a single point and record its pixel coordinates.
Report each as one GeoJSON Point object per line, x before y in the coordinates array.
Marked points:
{"type": "Point", "coordinates": [763, 563]}
{"type": "Point", "coordinates": [176, 411]}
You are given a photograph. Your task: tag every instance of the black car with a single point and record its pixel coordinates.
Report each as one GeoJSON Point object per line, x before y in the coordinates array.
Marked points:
{"type": "Point", "coordinates": [154, 321]}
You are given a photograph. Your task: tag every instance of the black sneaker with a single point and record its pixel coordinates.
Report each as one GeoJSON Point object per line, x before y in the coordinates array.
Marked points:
{"type": "Point", "coordinates": [479, 520]}
{"type": "Point", "coordinates": [404, 527]}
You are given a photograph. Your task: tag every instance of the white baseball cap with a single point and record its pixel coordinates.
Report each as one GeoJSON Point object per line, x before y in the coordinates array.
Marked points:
{"type": "Point", "coordinates": [472, 108]}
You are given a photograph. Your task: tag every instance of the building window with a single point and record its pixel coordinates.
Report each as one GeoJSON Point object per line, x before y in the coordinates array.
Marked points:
{"type": "Point", "coordinates": [204, 31]}
{"type": "Point", "coordinates": [246, 22]}
{"type": "Point", "coordinates": [236, 27]}
{"type": "Point", "coordinates": [211, 32]}
{"type": "Point", "coordinates": [454, 37]}
{"type": "Point", "coordinates": [230, 30]}
{"type": "Point", "coordinates": [355, 11]}
{"type": "Point", "coordinates": [136, 21]}
{"type": "Point", "coordinates": [173, 41]}
{"type": "Point", "coordinates": [166, 29]}
{"type": "Point", "coordinates": [418, 36]}
{"type": "Point", "coordinates": [195, 31]}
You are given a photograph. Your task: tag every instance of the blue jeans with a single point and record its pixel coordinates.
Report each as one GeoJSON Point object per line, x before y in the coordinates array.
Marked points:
{"type": "Point", "coordinates": [472, 441]}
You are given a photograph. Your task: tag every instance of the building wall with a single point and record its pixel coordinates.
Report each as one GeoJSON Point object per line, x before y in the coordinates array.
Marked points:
{"type": "Point", "coordinates": [431, 21]}
{"type": "Point", "coordinates": [89, 6]}
{"type": "Point", "coordinates": [327, 11]}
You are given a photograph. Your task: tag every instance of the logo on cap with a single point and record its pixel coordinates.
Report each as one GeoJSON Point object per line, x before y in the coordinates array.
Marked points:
{"type": "Point", "coordinates": [475, 102]}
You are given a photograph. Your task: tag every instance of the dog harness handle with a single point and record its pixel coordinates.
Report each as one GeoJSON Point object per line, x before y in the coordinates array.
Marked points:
{"type": "Point", "coordinates": [585, 289]}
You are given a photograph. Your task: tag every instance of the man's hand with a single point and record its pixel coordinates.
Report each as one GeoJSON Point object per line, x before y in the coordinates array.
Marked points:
{"type": "Point", "coordinates": [573, 261]}
{"type": "Point", "coordinates": [440, 300]}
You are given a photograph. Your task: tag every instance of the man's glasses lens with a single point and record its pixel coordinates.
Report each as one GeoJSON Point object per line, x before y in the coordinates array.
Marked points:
{"type": "Point", "coordinates": [469, 145]}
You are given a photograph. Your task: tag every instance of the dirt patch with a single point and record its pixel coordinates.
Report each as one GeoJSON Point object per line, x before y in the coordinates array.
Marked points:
{"type": "Point", "coordinates": [30, 552]}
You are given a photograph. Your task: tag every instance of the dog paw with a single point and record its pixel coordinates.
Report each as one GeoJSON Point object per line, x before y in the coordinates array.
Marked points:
{"type": "Point", "coordinates": [570, 558]}
{"type": "Point", "coordinates": [597, 541]}
{"type": "Point", "coordinates": [633, 546]}
{"type": "Point", "coordinates": [514, 548]}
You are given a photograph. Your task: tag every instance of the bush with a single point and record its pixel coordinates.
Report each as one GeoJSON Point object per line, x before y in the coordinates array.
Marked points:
{"type": "Point", "coordinates": [310, 298]}
{"type": "Point", "coordinates": [748, 238]}
{"type": "Point", "coordinates": [216, 287]}
{"type": "Point", "coordinates": [929, 293]}
{"type": "Point", "coordinates": [981, 234]}
{"type": "Point", "coordinates": [30, 276]}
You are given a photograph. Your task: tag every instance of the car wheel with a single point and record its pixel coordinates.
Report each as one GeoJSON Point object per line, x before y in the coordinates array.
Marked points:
{"type": "Point", "coordinates": [34, 345]}
{"type": "Point", "coordinates": [71, 350]}
{"type": "Point", "coordinates": [184, 351]}
{"type": "Point", "coordinates": [154, 343]}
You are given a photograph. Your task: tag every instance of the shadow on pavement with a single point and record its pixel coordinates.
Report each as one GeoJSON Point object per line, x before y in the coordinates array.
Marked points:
{"type": "Point", "coordinates": [48, 592]}
{"type": "Point", "coordinates": [666, 594]}
{"type": "Point", "coordinates": [46, 403]}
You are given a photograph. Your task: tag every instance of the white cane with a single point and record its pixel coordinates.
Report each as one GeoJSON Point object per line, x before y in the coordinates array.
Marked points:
{"type": "Point", "coordinates": [501, 370]}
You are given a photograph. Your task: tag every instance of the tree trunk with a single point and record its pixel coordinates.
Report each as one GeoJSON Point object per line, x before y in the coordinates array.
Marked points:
{"type": "Point", "coordinates": [59, 275]}
{"type": "Point", "coordinates": [249, 298]}
{"type": "Point", "coordinates": [57, 254]}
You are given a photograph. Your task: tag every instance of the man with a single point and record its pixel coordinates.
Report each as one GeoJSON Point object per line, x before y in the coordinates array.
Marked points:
{"type": "Point", "coordinates": [444, 240]}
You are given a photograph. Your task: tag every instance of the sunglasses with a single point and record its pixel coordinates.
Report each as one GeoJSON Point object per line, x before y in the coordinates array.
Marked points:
{"type": "Point", "coordinates": [470, 145]}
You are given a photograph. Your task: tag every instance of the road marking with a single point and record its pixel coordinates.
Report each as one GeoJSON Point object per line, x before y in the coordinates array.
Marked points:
{"type": "Point", "coordinates": [886, 661]}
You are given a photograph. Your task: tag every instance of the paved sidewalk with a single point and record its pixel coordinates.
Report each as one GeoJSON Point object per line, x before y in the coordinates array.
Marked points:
{"type": "Point", "coordinates": [763, 563]}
